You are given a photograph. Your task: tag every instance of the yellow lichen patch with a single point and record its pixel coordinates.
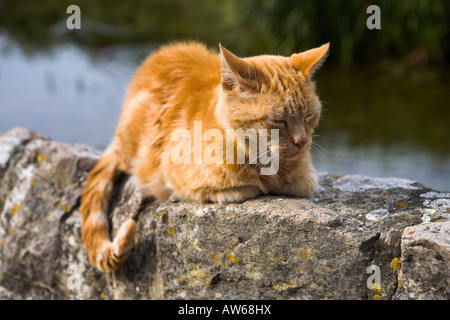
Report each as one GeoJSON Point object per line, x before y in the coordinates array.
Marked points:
{"type": "Point", "coordinates": [180, 278]}
{"type": "Point", "coordinates": [399, 283]}
{"type": "Point", "coordinates": [185, 211]}
{"type": "Point", "coordinates": [376, 287]}
{"type": "Point", "coordinates": [14, 209]}
{"type": "Point", "coordinates": [2, 243]}
{"type": "Point", "coordinates": [66, 208]}
{"type": "Point", "coordinates": [376, 297]}
{"type": "Point", "coordinates": [304, 253]}
{"type": "Point", "coordinates": [198, 277]}
{"type": "Point", "coordinates": [232, 258]}
{"type": "Point", "coordinates": [160, 214]}
{"type": "Point", "coordinates": [284, 286]}
{"type": "Point", "coordinates": [159, 253]}
{"type": "Point", "coordinates": [33, 181]}
{"type": "Point", "coordinates": [59, 204]}
{"type": "Point", "coordinates": [40, 158]}
{"type": "Point", "coordinates": [400, 204]}
{"type": "Point", "coordinates": [63, 175]}
{"type": "Point", "coordinates": [215, 258]}
{"type": "Point", "coordinates": [229, 256]}
{"type": "Point", "coordinates": [36, 136]}
{"type": "Point", "coordinates": [102, 295]}
{"type": "Point", "coordinates": [411, 232]}
{"type": "Point", "coordinates": [10, 230]}
{"type": "Point", "coordinates": [298, 269]}
{"type": "Point", "coordinates": [170, 231]}
{"type": "Point", "coordinates": [395, 263]}
{"type": "Point", "coordinates": [234, 240]}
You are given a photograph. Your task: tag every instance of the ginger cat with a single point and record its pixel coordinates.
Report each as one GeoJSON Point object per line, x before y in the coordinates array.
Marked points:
{"type": "Point", "coordinates": [180, 84]}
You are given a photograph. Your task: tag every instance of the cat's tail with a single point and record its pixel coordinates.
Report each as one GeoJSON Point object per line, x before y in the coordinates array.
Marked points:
{"type": "Point", "coordinates": [103, 253]}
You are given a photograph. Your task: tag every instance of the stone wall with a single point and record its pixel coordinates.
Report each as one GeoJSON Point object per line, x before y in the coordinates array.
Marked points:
{"type": "Point", "coordinates": [392, 233]}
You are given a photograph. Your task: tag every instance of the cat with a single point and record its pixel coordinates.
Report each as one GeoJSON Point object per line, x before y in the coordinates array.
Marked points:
{"type": "Point", "coordinates": [182, 83]}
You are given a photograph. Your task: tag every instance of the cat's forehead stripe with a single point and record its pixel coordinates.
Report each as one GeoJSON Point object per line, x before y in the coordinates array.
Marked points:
{"type": "Point", "coordinates": [281, 76]}
{"type": "Point", "coordinates": [283, 81]}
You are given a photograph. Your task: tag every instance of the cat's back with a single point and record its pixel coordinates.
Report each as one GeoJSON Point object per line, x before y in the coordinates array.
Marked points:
{"type": "Point", "coordinates": [176, 67]}
{"type": "Point", "coordinates": [173, 85]}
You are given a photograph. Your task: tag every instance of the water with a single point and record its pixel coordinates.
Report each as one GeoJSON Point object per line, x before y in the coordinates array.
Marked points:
{"type": "Point", "coordinates": [378, 122]}
{"type": "Point", "coordinates": [384, 123]}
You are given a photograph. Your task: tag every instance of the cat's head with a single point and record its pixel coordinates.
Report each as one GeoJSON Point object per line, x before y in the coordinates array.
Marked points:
{"type": "Point", "coordinates": [272, 92]}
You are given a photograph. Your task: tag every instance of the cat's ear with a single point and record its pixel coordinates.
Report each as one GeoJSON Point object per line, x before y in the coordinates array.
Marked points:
{"type": "Point", "coordinates": [309, 61]}
{"type": "Point", "coordinates": [236, 73]}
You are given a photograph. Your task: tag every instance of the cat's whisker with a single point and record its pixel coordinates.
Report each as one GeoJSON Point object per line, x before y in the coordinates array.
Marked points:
{"type": "Point", "coordinates": [255, 158]}
{"type": "Point", "coordinates": [248, 163]}
{"type": "Point", "coordinates": [326, 103]}
{"type": "Point", "coordinates": [261, 164]}
{"type": "Point", "coordinates": [315, 144]}
{"type": "Point", "coordinates": [316, 147]}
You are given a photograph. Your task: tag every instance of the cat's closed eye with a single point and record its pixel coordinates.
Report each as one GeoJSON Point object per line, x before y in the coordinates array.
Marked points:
{"type": "Point", "coordinates": [278, 123]}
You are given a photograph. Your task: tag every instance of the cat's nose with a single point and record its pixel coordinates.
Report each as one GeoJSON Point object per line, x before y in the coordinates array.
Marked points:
{"type": "Point", "coordinates": [300, 142]}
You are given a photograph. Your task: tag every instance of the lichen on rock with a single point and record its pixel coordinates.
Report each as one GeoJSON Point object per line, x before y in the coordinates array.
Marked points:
{"type": "Point", "coordinates": [271, 247]}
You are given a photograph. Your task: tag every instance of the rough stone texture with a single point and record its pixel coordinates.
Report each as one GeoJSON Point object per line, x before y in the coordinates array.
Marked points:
{"type": "Point", "coordinates": [424, 272]}
{"type": "Point", "coordinates": [267, 248]}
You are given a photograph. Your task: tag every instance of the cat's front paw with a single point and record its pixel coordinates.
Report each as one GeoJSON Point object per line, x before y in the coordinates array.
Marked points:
{"type": "Point", "coordinates": [174, 198]}
{"type": "Point", "coordinates": [307, 187]}
{"type": "Point", "coordinates": [235, 195]}
{"type": "Point", "coordinates": [303, 187]}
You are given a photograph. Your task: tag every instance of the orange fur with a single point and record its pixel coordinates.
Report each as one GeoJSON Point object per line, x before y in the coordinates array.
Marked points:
{"type": "Point", "coordinates": [183, 83]}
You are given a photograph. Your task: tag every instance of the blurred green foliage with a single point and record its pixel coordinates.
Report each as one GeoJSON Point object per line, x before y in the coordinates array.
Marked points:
{"type": "Point", "coordinates": [408, 27]}
{"type": "Point", "coordinates": [416, 30]}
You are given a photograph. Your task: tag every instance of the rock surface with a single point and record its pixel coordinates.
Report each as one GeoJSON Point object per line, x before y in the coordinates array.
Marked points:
{"type": "Point", "coordinates": [357, 238]}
